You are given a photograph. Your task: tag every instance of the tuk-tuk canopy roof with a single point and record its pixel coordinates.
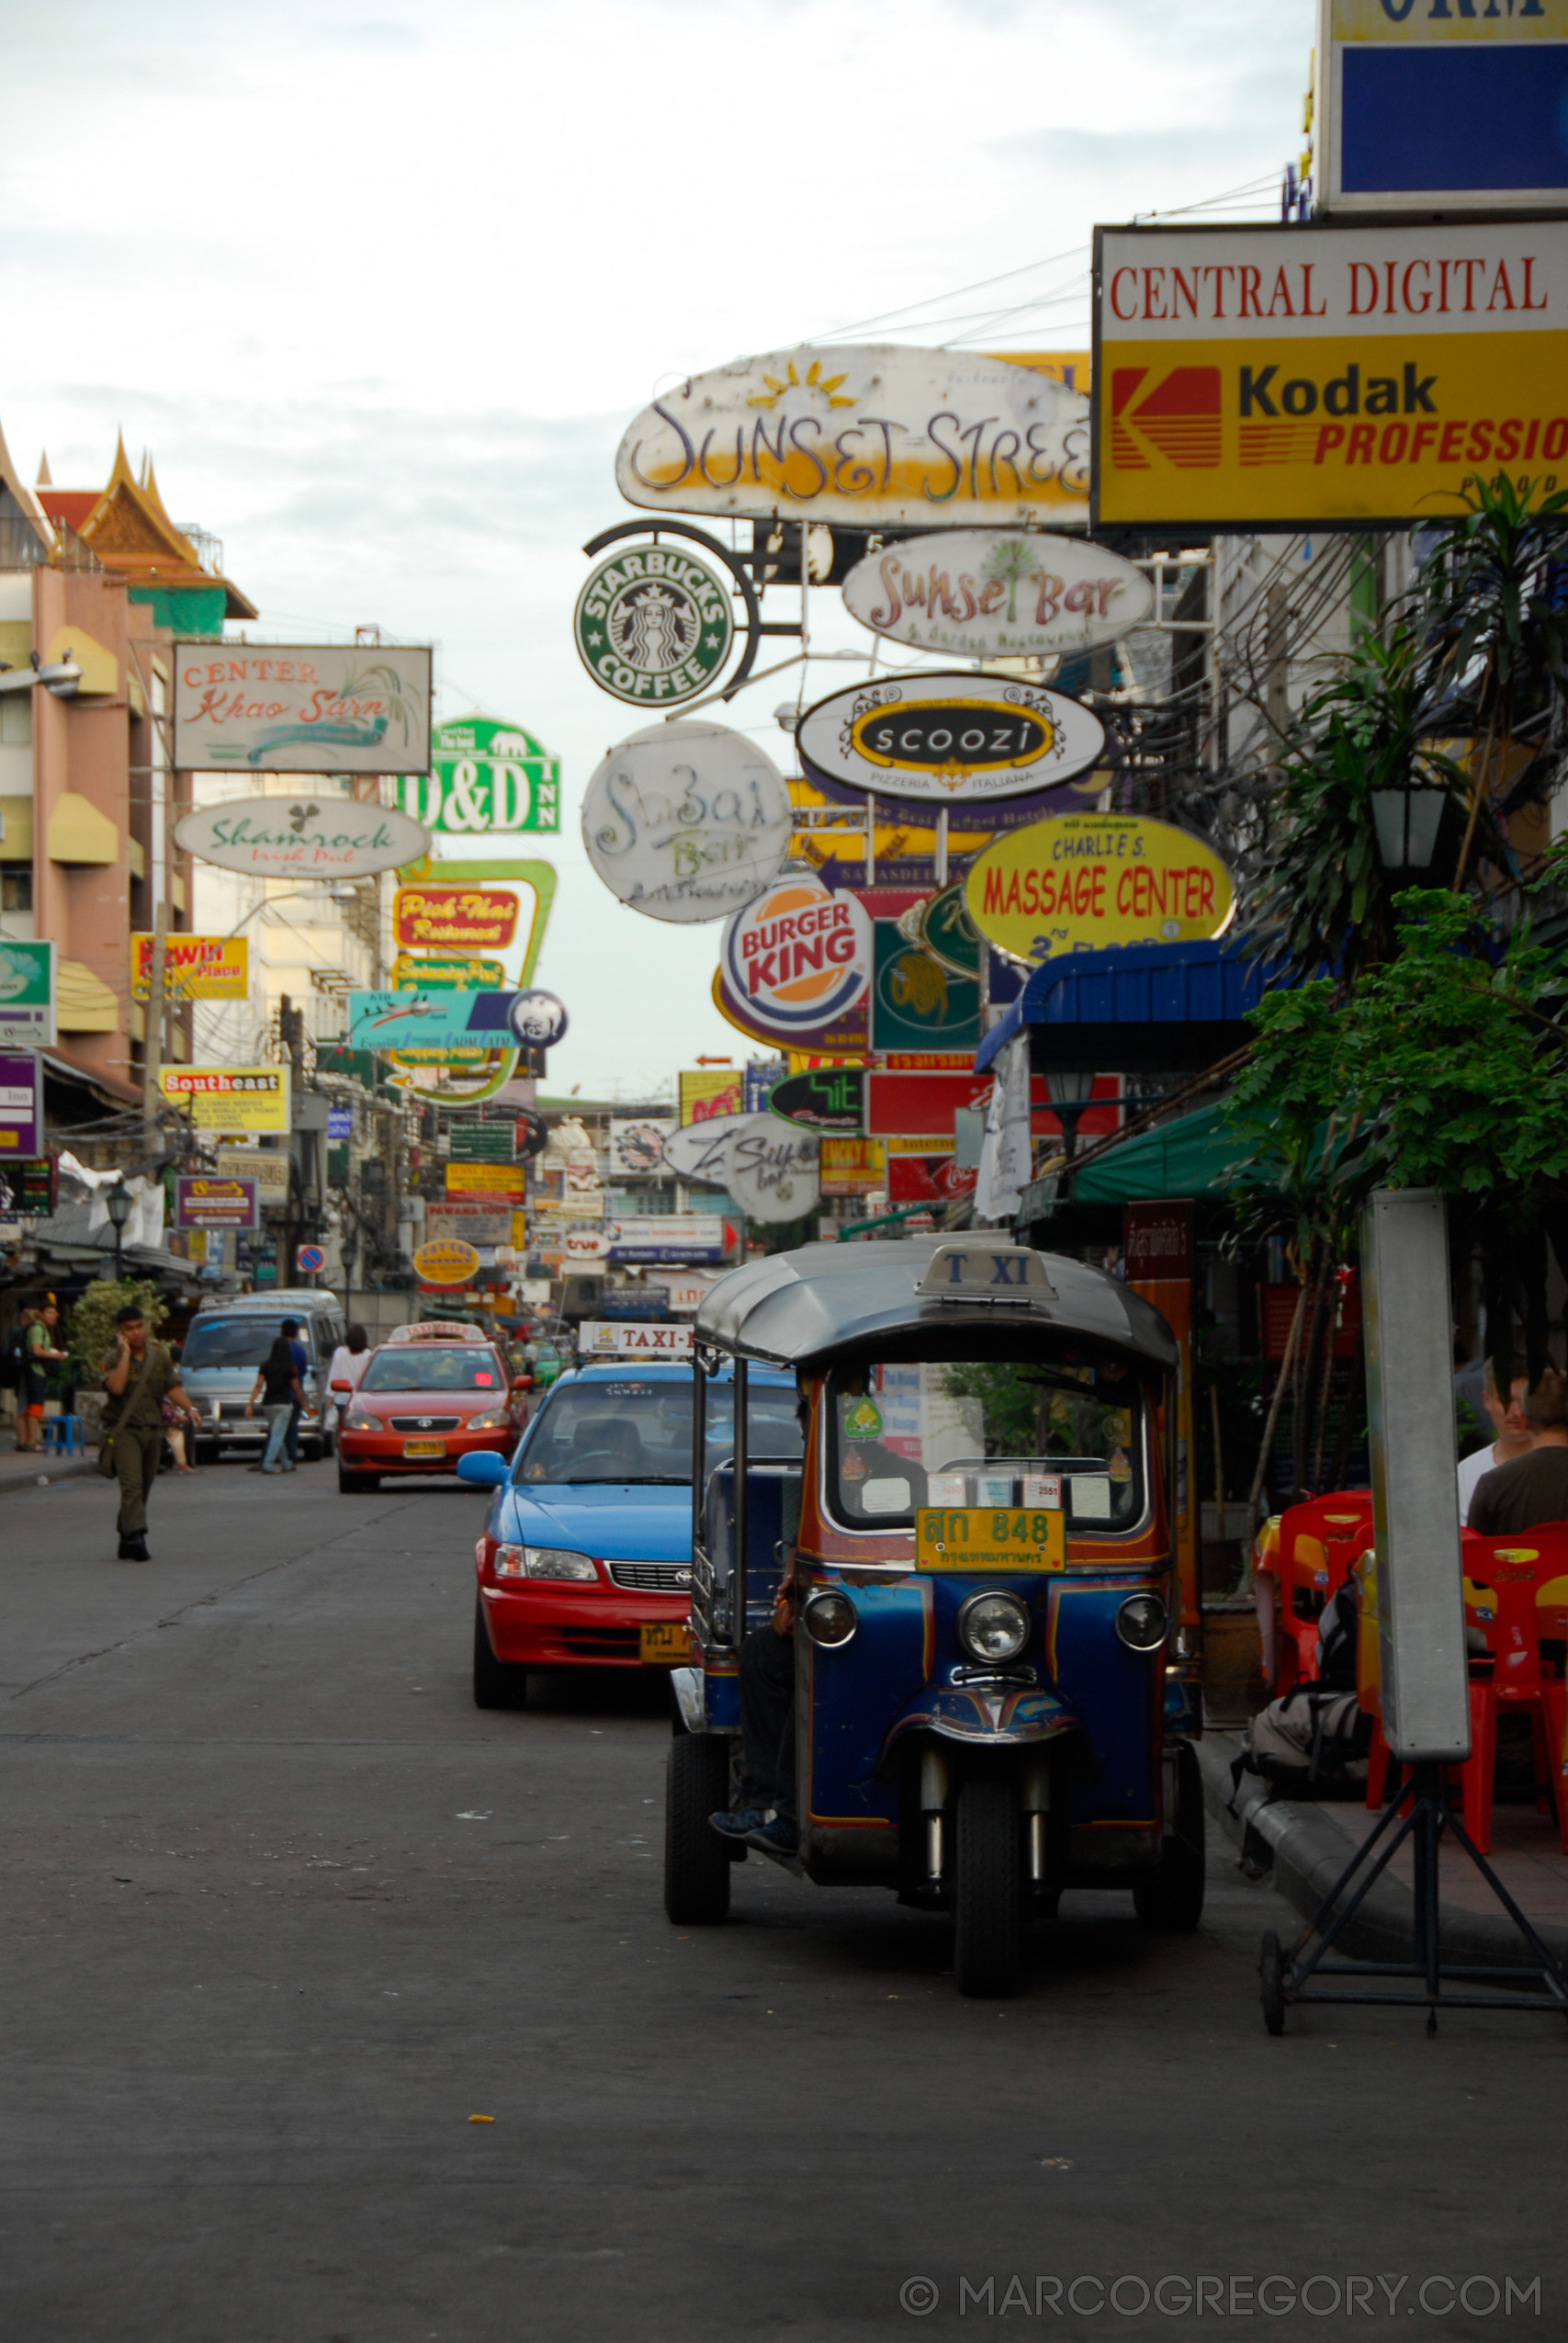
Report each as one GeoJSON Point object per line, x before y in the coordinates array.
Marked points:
{"type": "Point", "coordinates": [795, 1307]}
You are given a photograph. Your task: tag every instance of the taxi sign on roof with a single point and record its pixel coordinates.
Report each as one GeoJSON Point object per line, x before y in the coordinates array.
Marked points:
{"type": "Point", "coordinates": [439, 1330]}
{"type": "Point", "coordinates": [985, 1271]}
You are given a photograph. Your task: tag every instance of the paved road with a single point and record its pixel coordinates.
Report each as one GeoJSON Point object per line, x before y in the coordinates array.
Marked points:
{"type": "Point", "coordinates": [283, 1911]}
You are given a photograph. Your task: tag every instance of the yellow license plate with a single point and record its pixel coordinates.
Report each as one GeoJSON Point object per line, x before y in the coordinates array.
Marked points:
{"type": "Point", "coordinates": [667, 1645]}
{"type": "Point", "coordinates": [986, 1538]}
{"type": "Point", "coordinates": [424, 1448]}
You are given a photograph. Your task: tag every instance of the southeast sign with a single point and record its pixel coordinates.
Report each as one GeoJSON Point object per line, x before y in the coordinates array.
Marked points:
{"type": "Point", "coordinates": [653, 625]}
{"type": "Point", "coordinates": [1266, 378]}
{"type": "Point", "coordinates": [949, 739]}
{"type": "Point", "coordinates": [870, 435]}
{"type": "Point", "coordinates": [229, 1098]}
{"type": "Point", "coordinates": [797, 958]}
{"type": "Point", "coordinates": [998, 594]}
{"type": "Point", "coordinates": [307, 834]}
{"type": "Point", "coordinates": [489, 778]}
{"type": "Point", "coordinates": [687, 822]}
{"type": "Point", "coordinates": [1089, 882]}
{"type": "Point", "coordinates": [302, 707]}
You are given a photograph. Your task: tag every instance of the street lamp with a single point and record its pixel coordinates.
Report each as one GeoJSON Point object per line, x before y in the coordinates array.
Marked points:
{"type": "Point", "coordinates": [117, 1203]}
{"type": "Point", "coordinates": [1069, 1092]}
{"type": "Point", "coordinates": [1408, 820]}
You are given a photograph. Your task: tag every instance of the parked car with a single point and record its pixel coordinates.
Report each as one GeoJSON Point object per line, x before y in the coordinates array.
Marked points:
{"type": "Point", "coordinates": [224, 1346]}
{"type": "Point", "coordinates": [432, 1394]}
{"type": "Point", "coordinates": [585, 1561]}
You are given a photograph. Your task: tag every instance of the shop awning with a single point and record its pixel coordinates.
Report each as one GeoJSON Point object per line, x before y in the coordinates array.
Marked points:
{"type": "Point", "coordinates": [1181, 1159]}
{"type": "Point", "coordinates": [1152, 1007]}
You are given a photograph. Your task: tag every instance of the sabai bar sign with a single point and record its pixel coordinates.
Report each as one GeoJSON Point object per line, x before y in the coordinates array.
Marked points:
{"type": "Point", "coordinates": [1284, 376]}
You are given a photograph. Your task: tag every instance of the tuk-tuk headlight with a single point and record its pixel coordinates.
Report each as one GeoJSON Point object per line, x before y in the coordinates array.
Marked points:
{"type": "Point", "coordinates": [992, 1626]}
{"type": "Point", "coordinates": [830, 1618]}
{"type": "Point", "coordinates": [1142, 1623]}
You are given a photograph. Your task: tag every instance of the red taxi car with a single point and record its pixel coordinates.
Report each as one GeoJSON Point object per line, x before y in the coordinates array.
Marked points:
{"type": "Point", "coordinates": [431, 1394]}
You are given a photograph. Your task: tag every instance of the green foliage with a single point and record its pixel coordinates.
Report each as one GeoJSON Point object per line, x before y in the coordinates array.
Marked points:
{"type": "Point", "coordinates": [1488, 591]}
{"type": "Point", "coordinates": [92, 1313]}
{"type": "Point", "coordinates": [1438, 1070]}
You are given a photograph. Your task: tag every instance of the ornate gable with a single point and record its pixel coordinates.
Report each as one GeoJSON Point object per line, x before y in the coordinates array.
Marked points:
{"type": "Point", "coordinates": [128, 528]}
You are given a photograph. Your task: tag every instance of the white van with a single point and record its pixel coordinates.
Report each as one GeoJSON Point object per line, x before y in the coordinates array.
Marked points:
{"type": "Point", "coordinates": [224, 1347]}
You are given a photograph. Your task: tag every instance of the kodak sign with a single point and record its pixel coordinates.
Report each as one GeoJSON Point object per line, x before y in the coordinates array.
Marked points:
{"type": "Point", "coordinates": [1278, 377]}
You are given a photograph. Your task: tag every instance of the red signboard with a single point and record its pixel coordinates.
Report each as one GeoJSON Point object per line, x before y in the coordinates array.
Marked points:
{"type": "Point", "coordinates": [471, 919]}
{"type": "Point", "coordinates": [924, 1104]}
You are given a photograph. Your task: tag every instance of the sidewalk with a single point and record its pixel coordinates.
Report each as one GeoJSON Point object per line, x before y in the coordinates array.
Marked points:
{"type": "Point", "coordinates": [1308, 1843]}
{"type": "Point", "coordinates": [25, 1472]}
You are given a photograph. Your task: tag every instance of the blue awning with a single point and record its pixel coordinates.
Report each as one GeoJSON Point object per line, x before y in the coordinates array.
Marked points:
{"type": "Point", "coordinates": [1159, 1005]}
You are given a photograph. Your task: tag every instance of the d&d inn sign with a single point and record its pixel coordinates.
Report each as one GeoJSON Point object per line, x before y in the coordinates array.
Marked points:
{"type": "Point", "coordinates": [1278, 376]}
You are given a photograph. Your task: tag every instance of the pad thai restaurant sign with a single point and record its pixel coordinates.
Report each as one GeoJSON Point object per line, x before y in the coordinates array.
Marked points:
{"type": "Point", "coordinates": [1272, 377]}
{"type": "Point", "coordinates": [1089, 882]}
{"type": "Point", "coordinates": [870, 435]}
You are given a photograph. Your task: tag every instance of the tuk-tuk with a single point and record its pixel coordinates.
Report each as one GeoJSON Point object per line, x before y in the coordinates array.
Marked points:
{"type": "Point", "coordinates": [990, 1704]}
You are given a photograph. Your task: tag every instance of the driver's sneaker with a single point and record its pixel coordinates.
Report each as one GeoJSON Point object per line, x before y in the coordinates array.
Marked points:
{"type": "Point", "coordinates": [739, 1826]}
{"type": "Point", "coordinates": [779, 1837]}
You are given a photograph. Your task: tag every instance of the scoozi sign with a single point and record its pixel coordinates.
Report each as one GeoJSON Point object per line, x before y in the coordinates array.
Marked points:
{"type": "Point", "coordinates": [1084, 882]}
{"type": "Point", "coordinates": [488, 778]}
{"type": "Point", "coordinates": [1271, 376]}
{"type": "Point", "coordinates": [985, 594]}
{"type": "Point", "coordinates": [653, 625]}
{"type": "Point", "coordinates": [798, 958]}
{"type": "Point", "coordinates": [949, 740]}
{"type": "Point", "coordinates": [868, 434]}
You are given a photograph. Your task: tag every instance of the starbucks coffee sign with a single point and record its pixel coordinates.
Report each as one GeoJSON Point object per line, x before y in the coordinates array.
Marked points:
{"type": "Point", "coordinates": [654, 625]}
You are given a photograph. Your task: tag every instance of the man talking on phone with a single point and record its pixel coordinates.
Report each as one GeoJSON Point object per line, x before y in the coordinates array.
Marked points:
{"type": "Point", "coordinates": [139, 1378]}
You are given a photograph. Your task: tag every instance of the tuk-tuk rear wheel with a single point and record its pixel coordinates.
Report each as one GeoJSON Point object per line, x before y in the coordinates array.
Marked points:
{"type": "Point", "coordinates": [696, 1862]}
{"type": "Point", "coordinates": [987, 1879]}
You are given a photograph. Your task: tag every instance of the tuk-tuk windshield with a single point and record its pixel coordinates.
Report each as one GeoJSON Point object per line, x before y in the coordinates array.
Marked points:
{"type": "Point", "coordinates": [986, 1433]}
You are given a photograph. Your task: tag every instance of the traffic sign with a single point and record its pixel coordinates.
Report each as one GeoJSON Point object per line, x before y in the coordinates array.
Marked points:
{"type": "Point", "coordinates": [309, 1259]}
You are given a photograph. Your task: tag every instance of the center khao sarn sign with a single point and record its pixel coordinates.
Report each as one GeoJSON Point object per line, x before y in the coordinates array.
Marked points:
{"type": "Point", "coordinates": [302, 707]}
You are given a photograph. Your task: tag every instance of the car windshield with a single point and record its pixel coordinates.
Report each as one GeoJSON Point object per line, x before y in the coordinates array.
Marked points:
{"type": "Point", "coordinates": [408, 1369]}
{"type": "Point", "coordinates": [992, 1432]}
{"type": "Point", "coordinates": [634, 1429]}
{"type": "Point", "coordinates": [232, 1341]}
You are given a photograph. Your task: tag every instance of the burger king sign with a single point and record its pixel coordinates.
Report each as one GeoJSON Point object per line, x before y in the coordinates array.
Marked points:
{"type": "Point", "coordinates": [798, 958]}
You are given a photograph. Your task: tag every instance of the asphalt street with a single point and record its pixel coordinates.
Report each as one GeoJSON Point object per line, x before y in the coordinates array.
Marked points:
{"type": "Point", "coordinates": [283, 1912]}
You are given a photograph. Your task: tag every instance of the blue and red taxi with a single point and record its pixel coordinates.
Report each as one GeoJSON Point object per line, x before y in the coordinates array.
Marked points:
{"type": "Point", "coordinates": [434, 1393]}
{"type": "Point", "coordinates": [586, 1557]}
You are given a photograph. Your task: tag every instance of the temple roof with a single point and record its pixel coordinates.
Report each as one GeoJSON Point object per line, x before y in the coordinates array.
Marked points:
{"type": "Point", "coordinates": [127, 527]}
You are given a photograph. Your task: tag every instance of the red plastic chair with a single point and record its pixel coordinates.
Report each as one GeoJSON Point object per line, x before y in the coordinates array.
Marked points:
{"type": "Point", "coordinates": [1320, 1541]}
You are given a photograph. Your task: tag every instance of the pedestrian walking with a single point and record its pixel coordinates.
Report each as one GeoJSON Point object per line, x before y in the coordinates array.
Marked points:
{"type": "Point", "coordinates": [278, 1389]}
{"type": "Point", "coordinates": [139, 1377]}
{"type": "Point", "coordinates": [301, 1368]}
{"type": "Point", "coordinates": [349, 1363]}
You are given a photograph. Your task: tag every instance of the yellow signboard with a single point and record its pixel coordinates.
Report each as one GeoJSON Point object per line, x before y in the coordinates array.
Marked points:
{"type": "Point", "coordinates": [709, 1091]}
{"type": "Point", "coordinates": [196, 967]}
{"type": "Point", "coordinates": [447, 1260]}
{"type": "Point", "coordinates": [229, 1098]}
{"type": "Point", "coordinates": [1282, 377]}
{"type": "Point", "coordinates": [1082, 882]}
{"type": "Point", "coordinates": [976, 1537]}
{"type": "Point", "coordinates": [486, 1180]}
{"type": "Point", "coordinates": [1426, 21]}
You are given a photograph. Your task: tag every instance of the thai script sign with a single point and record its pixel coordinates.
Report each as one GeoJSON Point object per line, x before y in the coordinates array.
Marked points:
{"type": "Point", "coordinates": [653, 625]}
{"type": "Point", "coordinates": [229, 1098]}
{"type": "Point", "coordinates": [1085, 882]}
{"type": "Point", "coordinates": [871, 434]}
{"type": "Point", "coordinates": [945, 740]}
{"type": "Point", "coordinates": [992, 593]}
{"type": "Point", "coordinates": [798, 958]}
{"type": "Point", "coordinates": [310, 835]}
{"type": "Point", "coordinates": [1266, 377]}
{"type": "Point", "coordinates": [687, 822]}
{"type": "Point", "coordinates": [488, 778]}
{"type": "Point", "coordinates": [470, 919]}
{"type": "Point", "coordinates": [302, 707]}
{"type": "Point", "coordinates": [26, 994]}
{"type": "Point", "coordinates": [196, 967]}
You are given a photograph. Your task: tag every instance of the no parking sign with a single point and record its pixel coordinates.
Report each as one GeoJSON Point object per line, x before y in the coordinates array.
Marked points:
{"type": "Point", "coordinates": [309, 1260]}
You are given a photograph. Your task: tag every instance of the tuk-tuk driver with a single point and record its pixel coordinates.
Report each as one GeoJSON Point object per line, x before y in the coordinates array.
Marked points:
{"type": "Point", "coordinates": [766, 1818]}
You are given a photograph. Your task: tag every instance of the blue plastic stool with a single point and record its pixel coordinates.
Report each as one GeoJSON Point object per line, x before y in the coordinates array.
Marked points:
{"type": "Point", "coordinates": [62, 1435]}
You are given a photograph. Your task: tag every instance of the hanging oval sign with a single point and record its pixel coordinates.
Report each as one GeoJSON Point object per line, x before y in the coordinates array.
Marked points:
{"type": "Point", "coordinates": [1089, 882]}
{"type": "Point", "coordinates": [446, 1260]}
{"type": "Point", "coordinates": [998, 594]}
{"type": "Point", "coordinates": [798, 958]}
{"type": "Point", "coordinates": [772, 1173]}
{"type": "Point", "coordinates": [687, 822]}
{"type": "Point", "coordinates": [699, 1151]}
{"type": "Point", "coordinates": [654, 625]}
{"type": "Point", "coordinates": [824, 1098]}
{"type": "Point", "coordinates": [538, 1019]}
{"type": "Point", "coordinates": [845, 1037]}
{"type": "Point", "coordinates": [305, 833]}
{"type": "Point", "coordinates": [949, 740]}
{"type": "Point", "coordinates": [949, 934]}
{"type": "Point", "coordinates": [811, 432]}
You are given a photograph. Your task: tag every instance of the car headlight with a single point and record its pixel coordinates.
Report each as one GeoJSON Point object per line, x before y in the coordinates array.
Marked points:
{"type": "Point", "coordinates": [511, 1562]}
{"type": "Point", "coordinates": [554, 1562]}
{"type": "Point", "coordinates": [1142, 1623]}
{"type": "Point", "coordinates": [493, 1419]}
{"type": "Point", "coordinates": [830, 1618]}
{"type": "Point", "coordinates": [357, 1420]}
{"type": "Point", "coordinates": [992, 1626]}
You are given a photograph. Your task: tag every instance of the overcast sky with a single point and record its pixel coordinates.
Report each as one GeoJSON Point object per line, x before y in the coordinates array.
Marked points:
{"type": "Point", "coordinates": [380, 287]}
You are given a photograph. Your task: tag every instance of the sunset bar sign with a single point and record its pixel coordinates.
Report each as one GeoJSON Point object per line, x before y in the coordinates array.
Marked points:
{"type": "Point", "coordinates": [1089, 882]}
{"type": "Point", "coordinates": [1280, 378]}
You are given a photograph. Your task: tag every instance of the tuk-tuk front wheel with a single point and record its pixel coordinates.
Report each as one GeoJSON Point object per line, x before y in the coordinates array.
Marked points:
{"type": "Point", "coordinates": [986, 1885]}
{"type": "Point", "coordinates": [1173, 1899]}
{"type": "Point", "coordinates": [696, 1862]}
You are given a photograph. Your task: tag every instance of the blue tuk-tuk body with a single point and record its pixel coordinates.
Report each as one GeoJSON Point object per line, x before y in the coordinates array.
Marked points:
{"type": "Point", "coordinates": [977, 1529]}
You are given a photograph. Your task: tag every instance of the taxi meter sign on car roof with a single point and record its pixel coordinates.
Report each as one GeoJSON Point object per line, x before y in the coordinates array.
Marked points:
{"type": "Point", "coordinates": [439, 1330]}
